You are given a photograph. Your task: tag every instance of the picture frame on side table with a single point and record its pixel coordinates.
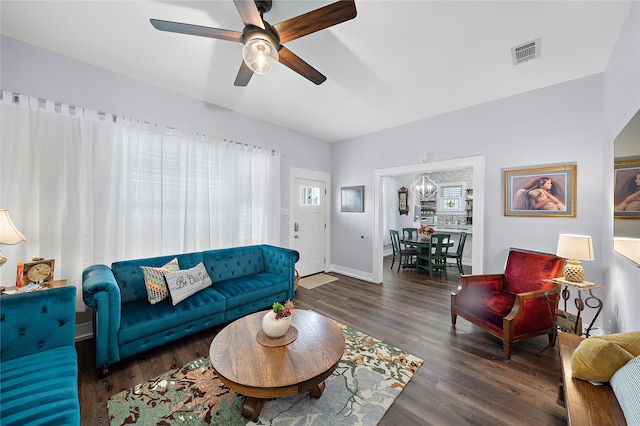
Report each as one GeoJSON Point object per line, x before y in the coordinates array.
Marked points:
{"type": "Point", "coordinates": [352, 198]}
{"type": "Point", "coordinates": [540, 191]}
{"type": "Point", "coordinates": [626, 192]}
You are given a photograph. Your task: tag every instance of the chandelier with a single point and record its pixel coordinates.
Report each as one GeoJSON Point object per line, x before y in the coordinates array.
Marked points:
{"type": "Point", "coordinates": [424, 188]}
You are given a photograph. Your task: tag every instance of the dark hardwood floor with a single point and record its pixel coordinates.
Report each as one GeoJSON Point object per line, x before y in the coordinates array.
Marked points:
{"type": "Point", "coordinates": [464, 380]}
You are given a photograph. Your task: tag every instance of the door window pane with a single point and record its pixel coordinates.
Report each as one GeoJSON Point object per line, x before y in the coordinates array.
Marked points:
{"type": "Point", "coordinates": [309, 196]}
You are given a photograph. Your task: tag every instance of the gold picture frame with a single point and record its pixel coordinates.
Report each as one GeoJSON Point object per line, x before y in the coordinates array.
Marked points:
{"type": "Point", "coordinates": [541, 191]}
{"type": "Point", "coordinates": [626, 200]}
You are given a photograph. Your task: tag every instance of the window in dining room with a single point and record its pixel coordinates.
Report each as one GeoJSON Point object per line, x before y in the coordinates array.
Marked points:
{"type": "Point", "coordinates": [451, 197]}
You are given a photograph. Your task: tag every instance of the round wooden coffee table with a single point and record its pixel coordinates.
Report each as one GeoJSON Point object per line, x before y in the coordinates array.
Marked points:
{"type": "Point", "coordinates": [261, 372]}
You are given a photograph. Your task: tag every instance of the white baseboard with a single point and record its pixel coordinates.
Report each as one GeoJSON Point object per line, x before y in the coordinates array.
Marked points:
{"type": "Point", "coordinates": [84, 331]}
{"type": "Point", "coordinates": [353, 273]}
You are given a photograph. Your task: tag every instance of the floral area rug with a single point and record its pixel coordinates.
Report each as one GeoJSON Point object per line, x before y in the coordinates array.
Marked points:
{"type": "Point", "coordinates": [369, 377]}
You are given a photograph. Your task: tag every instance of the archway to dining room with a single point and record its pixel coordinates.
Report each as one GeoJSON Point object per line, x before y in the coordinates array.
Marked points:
{"type": "Point", "coordinates": [476, 162]}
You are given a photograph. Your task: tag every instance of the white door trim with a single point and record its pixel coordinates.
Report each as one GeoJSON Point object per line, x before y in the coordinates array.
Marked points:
{"type": "Point", "coordinates": [295, 173]}
{"type": "Point", "coordinates": [476, 162]}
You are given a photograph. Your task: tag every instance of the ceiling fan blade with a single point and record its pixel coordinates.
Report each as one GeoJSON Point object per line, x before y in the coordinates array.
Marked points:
{"type": "Point", "coordinates": [249, 12]}
{"type": "Point", "coordinates": [244, 75]}
{"type": "Point", "coordinates": [316, 20]}
{"type": "Point", "coordinates": [293, 61]}
{"type": "Point", "coordinates": [197, 30]}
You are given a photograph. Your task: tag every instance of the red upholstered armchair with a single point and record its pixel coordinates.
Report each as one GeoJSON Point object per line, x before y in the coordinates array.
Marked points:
{"type": "Point", "coordinates": [513, 306]}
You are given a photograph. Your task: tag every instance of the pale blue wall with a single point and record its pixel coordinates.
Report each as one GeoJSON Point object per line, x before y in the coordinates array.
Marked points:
{"type": "Point", "coordinates": [557, 124]}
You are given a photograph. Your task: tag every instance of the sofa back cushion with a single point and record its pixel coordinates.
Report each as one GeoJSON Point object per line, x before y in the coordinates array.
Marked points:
{"type": "Point", "coordinates": [236, 262]}
{"type": "Point", "coordinates": [527, 270]}
{"type": "Point", "coordinates": [130, 278]}
{"type": "Point", "coordinates": [37, 321]}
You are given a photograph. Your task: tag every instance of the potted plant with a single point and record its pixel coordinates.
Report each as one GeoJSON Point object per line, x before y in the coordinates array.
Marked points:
{"type": "Point", "coordinates": [277, 321]}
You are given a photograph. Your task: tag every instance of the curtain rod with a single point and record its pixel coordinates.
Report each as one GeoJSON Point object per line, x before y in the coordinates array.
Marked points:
{"type": "Point", "coordinates": [15, 98]}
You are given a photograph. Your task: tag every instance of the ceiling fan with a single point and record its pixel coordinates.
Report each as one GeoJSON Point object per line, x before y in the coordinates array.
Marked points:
{"type": "Point", "coordinates": [263, 42]}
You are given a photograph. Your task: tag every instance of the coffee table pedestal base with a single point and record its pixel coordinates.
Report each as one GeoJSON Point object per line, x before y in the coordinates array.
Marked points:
{"type": "Point", "coordinates": [252, 406]}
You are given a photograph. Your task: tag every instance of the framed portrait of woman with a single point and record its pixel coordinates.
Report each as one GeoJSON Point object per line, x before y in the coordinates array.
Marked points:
{"type": "Point", "coordinates": [541, 191]}
{"type": "Point", "coordinates": [626, 191]}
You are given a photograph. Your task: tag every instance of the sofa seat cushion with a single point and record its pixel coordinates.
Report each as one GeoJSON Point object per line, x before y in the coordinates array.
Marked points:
{"type": "Point", "coordinates": [240, 291]}
{"type": "Point", "coordinates": [140, 319]}
{"type": "Point", "coordinates": [40, 389]}
{"type": "Point", "coordinates": [490, 306]}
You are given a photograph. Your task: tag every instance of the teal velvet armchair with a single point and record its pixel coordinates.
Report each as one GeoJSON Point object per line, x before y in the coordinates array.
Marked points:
{"type": "Point", "coordinates": [38, 361]}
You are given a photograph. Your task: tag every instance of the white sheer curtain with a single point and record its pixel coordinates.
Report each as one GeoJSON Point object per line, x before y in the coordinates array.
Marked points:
{"type": "Point", "coordinates": [88, 188]}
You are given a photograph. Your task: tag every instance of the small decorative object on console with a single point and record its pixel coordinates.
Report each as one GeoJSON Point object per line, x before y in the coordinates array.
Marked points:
{"type": "Point", "coordinates": [37, 271]}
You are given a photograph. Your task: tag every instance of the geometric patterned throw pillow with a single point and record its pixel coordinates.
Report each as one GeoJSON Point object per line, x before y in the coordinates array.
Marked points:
{"type": "Point", "coordinates": [154, 280]}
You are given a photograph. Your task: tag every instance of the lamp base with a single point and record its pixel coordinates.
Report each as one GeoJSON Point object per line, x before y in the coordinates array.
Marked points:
{"type": "Point", "coordinates": [573, 272]}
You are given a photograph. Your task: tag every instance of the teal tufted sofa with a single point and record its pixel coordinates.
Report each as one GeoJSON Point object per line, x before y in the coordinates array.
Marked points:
{"type": "Point", "coordinates": [245, 280]}
{"type": "Point", "coordinates": [38, 361]}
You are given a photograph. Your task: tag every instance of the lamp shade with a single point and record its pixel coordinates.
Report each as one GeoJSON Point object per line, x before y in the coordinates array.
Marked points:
{"type": "Point", "coordinates": [9, 234]}
{"type": "Point", "coordinates": [576, 247]}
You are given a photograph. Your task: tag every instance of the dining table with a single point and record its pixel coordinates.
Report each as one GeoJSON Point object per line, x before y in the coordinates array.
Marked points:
{"type": "Point", "coordinates": [422, 244]}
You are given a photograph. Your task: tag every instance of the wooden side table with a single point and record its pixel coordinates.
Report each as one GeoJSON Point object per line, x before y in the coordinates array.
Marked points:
{"type": "Point", "coordinates": [592, 302]}
{"type": "Point", "coordinates": [43, 286]}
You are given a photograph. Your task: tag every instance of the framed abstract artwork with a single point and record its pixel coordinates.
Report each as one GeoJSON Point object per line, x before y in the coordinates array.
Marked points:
{"type": "Point", "coordinates": [541, 192]}
{"type": "Point", "coordinates": [352, 198]}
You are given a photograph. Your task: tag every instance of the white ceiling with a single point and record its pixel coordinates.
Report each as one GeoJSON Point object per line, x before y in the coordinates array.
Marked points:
{"type": "Point", "coordinates": [396, 62]}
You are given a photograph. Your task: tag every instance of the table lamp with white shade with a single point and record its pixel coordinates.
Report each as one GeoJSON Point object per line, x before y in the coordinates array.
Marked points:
{"type": "Point", "coordinates": [574, 248]}
{"type": "Point", "coordinates": [9, 234]}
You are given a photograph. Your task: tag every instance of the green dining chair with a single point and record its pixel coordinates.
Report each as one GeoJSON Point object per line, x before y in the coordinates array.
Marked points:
{"type": "Point", "coordinates": [405, 255]}
{"type": "Point", "coordinates": [458, 254]}
{"type": "Point", "coordinates": [435, 259]}
{"type": "Point", "coordinates": [410, 232]}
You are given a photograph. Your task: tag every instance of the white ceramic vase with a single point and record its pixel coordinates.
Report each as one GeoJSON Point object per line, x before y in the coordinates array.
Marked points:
{"type": "Point", "coordinates": [273, 327]}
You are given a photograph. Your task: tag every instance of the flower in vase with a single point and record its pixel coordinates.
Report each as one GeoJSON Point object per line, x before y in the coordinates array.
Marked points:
{"type": "Point", "coordinates": [426, 230]}
{"type": "Point", "coordinates": [283, 310]}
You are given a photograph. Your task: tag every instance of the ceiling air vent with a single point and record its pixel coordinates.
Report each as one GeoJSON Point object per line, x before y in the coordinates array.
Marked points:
{"type": "Point", "coordinates": [526, 51]}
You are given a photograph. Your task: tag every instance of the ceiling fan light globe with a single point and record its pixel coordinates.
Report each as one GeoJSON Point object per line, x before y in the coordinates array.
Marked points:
{"type": "Point", "coordinates": [259, 55]}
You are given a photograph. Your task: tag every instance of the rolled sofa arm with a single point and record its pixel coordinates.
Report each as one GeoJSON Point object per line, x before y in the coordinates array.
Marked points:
{"type": "Point", "coordinates": [282, 261]}
{"type": "Point", "coordinates": [100, 291]}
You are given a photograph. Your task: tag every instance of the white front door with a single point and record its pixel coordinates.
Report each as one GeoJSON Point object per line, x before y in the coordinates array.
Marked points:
{"type": "Point", "coordinates": [309, 225]}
